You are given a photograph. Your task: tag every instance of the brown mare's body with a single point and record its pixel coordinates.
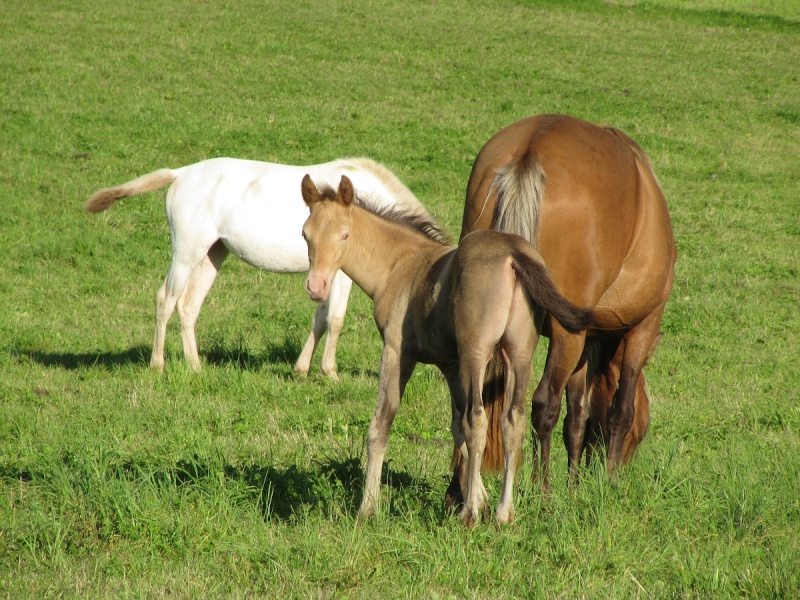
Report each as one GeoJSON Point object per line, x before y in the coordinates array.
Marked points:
{"type": "Point", "coordinates": [442, 305]}
{"type": "Point", "coordinates": [604, 232]}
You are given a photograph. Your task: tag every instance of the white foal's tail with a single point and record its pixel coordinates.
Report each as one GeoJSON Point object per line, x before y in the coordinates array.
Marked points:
{"type": "Point", "coordinates": [102, 199]}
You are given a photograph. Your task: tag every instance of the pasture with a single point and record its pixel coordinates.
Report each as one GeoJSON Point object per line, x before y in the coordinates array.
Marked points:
{"type": "Point", "coordinates": [243, 480]}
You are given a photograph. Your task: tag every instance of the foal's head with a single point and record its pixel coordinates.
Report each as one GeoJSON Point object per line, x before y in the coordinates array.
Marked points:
{"type": "Point", "coordinates": [326, 232]}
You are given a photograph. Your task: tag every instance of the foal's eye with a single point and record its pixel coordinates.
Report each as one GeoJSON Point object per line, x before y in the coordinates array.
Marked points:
{"type": "Point", "coordinates": [345, 236]}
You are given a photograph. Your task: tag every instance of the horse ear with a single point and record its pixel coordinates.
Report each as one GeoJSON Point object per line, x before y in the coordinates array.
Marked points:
{"type": "Point", "coordinates": [346, 192]}
{"type": "Point", "coordinates": [310, 192]}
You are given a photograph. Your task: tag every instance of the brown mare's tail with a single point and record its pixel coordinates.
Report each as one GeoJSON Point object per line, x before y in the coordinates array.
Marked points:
{"type": "Point", "coordinates": [102, 199]}
{"type": "Point", "coordinates": [519, 186]}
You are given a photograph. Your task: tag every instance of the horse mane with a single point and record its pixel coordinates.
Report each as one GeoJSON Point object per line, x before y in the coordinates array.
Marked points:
{"type": "Point", "coordinates": [418, 220]}
{"type": "Point", "coordinates": [407, 211]}
{"type": "Point", "coordinates": [413, 217]}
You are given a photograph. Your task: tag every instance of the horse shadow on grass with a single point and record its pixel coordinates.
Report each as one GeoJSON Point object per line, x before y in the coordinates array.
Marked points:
{"type": "Point", "coordinates": [138, 355]}
{"type": "Point", "coordinates": [278, 354]}
{"type": "Point", "coordinates": [279, 492]}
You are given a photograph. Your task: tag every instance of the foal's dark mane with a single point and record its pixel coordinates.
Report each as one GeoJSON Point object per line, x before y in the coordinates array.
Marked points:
{"type": "Point", "coordinates": [409, 217]}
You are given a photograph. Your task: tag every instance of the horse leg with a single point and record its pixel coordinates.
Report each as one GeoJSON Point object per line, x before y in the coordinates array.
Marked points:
{"type": "Point", "coordinates": [639, 344]}
{"type": "Point", "coordinates": [303, 363]}
{"type": "Point", "coordinates": [519, 344]}
{"type": "Point", "coordinates": [454, 496]}
{"type": "Point", "coordinates": [337, 306]}
{"type": "Point", "coordinates": [494, 401]}
{"type": "Point", "coordinates": [395, 371]}
{"type": "Point", "coordinates": [575, 420]}
{"type": "Point", "coordinates": [185, 258]}
{"type": "Point", "coordinates": [474, 425]}
{"type": "Point", "coordinates": [562, 357]}
{"type": "Point", "coordinates": [191, 300]}
{"type": "Point", "coordinates": [166, 299]}
{"type": "Point", "coordinates": [329, 315]}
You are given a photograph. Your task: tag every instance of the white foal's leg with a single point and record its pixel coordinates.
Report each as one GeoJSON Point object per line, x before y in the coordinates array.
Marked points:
{"type": "Point", "coordinates": [180, 271]}
{"type": "Point", "coordinates": [303, 363]}
{"type": "Point", "coordinates": [328, 316]}
{"type": "Point", "coordinates": [191, 300]}
{"type": "Point", "coordinates": [157, 359]}
{"type": "Point", "coordinates": [337, 307]}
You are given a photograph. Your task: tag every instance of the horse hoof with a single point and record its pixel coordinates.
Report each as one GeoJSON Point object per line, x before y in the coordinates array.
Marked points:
{"type": "Point", "coordinates": [453, 498]}
{"type": "Point", "coordinates": [504, 517]}
{"type": "Point", "coordinates": [468, 519]}
{"type": "Point", "coordinates": [332, 375]}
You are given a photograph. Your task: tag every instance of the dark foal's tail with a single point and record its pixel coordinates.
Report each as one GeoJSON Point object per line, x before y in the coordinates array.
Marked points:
{"type": "Point", "coordinates": [519, 186]}
{"type": "Point", "coordinates": [542, 291]}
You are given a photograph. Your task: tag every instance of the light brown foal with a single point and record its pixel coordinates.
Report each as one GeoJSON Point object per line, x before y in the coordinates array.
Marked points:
{"type": "Point", "coordinates": [438, 304]}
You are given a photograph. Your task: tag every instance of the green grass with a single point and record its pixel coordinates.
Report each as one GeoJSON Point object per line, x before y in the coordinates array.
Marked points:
{"type": "Point", "coordinates": [243, 480]}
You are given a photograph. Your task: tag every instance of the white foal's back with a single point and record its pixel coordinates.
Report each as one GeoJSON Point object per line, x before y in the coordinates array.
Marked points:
{"type": "Point", "coordinates": [256, 208]}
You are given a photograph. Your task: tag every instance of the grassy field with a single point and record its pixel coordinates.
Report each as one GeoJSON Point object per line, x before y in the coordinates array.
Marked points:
{"type": "Point", "coordinates": [242, 481]}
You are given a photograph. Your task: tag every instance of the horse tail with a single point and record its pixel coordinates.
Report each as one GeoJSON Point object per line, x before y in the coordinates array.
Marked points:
{"type": "Point", "coordinates": [102, 199]}
{"type": "Point", "coordinates": [541, 289]}
{"type": "Point", "coordinates": [519, 186]}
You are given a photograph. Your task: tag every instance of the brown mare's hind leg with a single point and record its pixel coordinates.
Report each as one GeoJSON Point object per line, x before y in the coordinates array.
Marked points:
{"type": "Point", "coordinates": [639, 344]}
{"type": "Point", "coordinates": [563, 356]}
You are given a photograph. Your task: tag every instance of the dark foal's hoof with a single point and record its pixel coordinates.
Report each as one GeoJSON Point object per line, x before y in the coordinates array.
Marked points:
{"type": "Point", "coordinates": [453, 498]}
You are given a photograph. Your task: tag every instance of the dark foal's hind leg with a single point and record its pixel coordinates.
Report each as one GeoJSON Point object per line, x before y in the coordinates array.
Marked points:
{"type": "Point", "coordinates": [454, 496]}
{"type": "Point", "coordinates": [575, 420]}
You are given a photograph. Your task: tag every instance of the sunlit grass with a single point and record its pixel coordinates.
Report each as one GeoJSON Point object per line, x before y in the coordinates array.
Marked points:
{"type": "Point", "coordinates": [244, 479]}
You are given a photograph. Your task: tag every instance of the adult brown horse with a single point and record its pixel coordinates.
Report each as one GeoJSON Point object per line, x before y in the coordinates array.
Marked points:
{"type": "Point", "coordinates": [587, 198]}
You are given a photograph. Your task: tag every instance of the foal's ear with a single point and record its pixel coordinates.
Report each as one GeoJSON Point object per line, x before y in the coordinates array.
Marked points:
{"type": "Point", "coordinates": [345, 193]}
{"type": "Point", "coordinates": [310, 192]}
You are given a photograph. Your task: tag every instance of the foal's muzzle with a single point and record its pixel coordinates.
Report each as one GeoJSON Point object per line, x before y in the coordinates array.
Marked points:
{"type": "Point", "coordinates": [318, 287]}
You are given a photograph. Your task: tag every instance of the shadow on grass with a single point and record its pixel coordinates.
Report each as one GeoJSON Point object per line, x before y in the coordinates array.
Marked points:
{"type": "Point", "coordinates": [277, 354]}
{"type": "Point", "coordinates": [138, 355]}
{"type": "Point", "coordinates": [285, 352]}
{"type": "Point", "coordinates": [280, 493]}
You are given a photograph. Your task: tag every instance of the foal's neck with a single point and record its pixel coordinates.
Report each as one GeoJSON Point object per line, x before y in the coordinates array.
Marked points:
{"type": "Point", "coordinates": [381, 250]}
